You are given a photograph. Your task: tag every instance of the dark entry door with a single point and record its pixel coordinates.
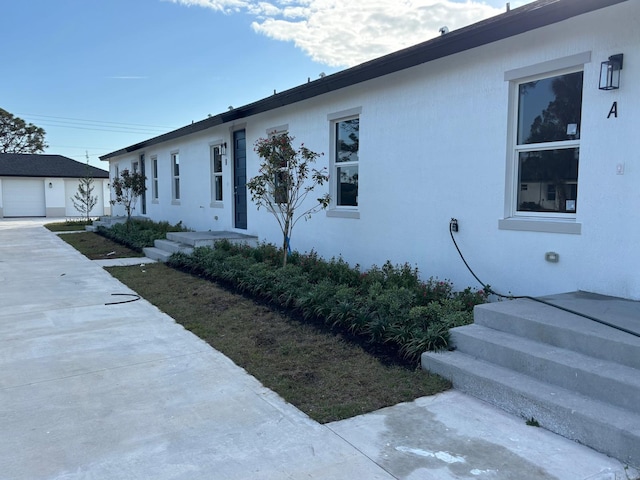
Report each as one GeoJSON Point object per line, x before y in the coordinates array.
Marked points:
{"type": "Point", "coordinates": [143, 199]}
{"type": "Point", "coordinates": [240, 179]}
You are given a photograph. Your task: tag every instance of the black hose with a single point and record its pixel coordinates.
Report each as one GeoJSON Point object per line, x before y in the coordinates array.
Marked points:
{"type": "Point", "coordinates": [137, 297]}
{"type": "Point", "coordinates": [490, 290]}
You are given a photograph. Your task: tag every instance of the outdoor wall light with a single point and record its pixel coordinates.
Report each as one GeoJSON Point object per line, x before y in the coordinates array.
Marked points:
{"type": "Point", "coordinates": [610, 72]}
{"type": "Point", "coordinates": [50, 185]}
{"type": "Point", "coordinates": [223, 148]}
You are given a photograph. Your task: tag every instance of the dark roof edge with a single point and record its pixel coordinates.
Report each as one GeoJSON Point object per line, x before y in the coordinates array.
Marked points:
{"type": "Point", "coordinates": [520, 20]}
{"type": "Point", "coordinates": [101, 174]}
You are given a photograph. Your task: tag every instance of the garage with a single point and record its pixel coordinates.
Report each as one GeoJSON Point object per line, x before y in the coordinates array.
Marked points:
{"type": "Point", "coordinates": [35, 185]}
{"type": "Point", "coordinates": [23, 197]}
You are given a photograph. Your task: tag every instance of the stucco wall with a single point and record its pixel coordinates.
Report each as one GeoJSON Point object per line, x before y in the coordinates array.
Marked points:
{"type": "Point", "coordinates": [434, 145]}
{"type": "Point", "coordinates": [57, 194]}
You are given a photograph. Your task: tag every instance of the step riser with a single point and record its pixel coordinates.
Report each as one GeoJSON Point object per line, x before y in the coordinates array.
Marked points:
{"type": "Point", "coordinates": [172, 247]}
{"type": "Point", "coordinates": [583, 337]}
{"type": "Point", "coordinates": [610, 384]}
{"type": "Point", "coordinates": [156, 254]}
{"type": "Point", "coordinates": [570, 423]}
{"type": "Point", "coordinates": [187, 239]}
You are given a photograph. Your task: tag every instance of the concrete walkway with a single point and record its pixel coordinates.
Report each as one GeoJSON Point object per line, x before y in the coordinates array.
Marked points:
{"type": "Point", "coordinates": [96, 391]}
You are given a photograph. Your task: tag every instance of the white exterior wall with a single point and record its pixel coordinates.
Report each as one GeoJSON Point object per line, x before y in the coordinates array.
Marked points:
{"type": "Point", "coordinates": [71, 189]}
{"type": "Point", "coordinates": [434, 145]}
{"type": "Point", "coordinates": [58, 193]}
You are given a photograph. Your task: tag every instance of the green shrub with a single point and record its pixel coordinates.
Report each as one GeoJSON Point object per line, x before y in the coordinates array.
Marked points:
{"type": "Point", "coordinates": [137, 234]}
{"type": "Point", "coordinates": [384, 305]}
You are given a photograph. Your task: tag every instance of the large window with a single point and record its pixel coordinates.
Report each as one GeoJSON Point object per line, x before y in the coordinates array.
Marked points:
{"type": "Point", "coordinates": [216, 174]}
{"type": "Point", "coordinates": [175, 176]}
{"type": "Point", "coordinates": [547, 144]}
{"type": "Point", "coordinates": [154, 178]}
{"type": "Point", "coordinates": [346, 160]}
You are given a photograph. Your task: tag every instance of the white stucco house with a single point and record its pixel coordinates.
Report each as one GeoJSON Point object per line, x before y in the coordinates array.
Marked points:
{"type": "Point", "coordinates": [514, 126]}
{"type": "Point", "coordinates": [39, 185]}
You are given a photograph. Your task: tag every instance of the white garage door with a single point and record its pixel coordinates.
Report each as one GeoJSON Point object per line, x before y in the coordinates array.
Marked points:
{"type": "Point", "coordinates": [71, 188]}
{"type": "Point", "coordinates": [23, 197]}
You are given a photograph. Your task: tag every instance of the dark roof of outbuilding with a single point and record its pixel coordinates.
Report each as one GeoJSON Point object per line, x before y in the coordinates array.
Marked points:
{"type": "Point", "coordinates": [514, 22]}
{"type": "Point", "coordinates": [32, 165]}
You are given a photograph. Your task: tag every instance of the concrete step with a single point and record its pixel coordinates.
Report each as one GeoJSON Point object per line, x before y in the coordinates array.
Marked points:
{"type": "Point", "coordinates": [596, 378]}
{"type": "Point", "coordinates": [173, 247]}
{"type": "Point", "coordinates": [157, 254]}
{"type": "Point", "coordinates": [543, 323]}
{"type": "Point", "coordinates": [208, 239]}
{"type": "Point", "coordinates": [603, 427]}
{"type": "Point", "coordinates": [108, 222]}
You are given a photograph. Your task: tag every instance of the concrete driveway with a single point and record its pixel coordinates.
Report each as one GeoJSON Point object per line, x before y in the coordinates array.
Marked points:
{"type": "Point", "coordinates": [96, 391]}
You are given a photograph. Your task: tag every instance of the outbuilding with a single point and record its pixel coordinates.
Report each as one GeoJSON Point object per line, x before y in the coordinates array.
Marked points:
{"type": "Point", "coordinates": [33, 185]}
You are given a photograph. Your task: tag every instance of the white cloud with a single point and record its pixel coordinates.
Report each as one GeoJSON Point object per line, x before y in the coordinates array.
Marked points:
{"type": "Point", "coordinates": [226, 6]}
{"type": "Point", "coordinates": [343, 33]}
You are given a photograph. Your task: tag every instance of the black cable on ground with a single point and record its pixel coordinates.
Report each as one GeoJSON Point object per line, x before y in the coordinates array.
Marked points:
{"type": "Point", "coordinates": [137, 297]}
{"type": "Point", "coordinates": [489, 290]}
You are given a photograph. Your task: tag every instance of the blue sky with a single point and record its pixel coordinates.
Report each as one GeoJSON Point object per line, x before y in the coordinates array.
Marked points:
{"type": "Point", "coordinates": [99, 75]}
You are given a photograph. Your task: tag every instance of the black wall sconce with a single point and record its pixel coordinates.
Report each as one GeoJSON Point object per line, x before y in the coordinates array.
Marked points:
{"type": "Point", "coordinates": [223, 148]}
{"type": "Point", "coordinates": [50, 185]}
{"type": "Point", "coordinates": [610, 72]}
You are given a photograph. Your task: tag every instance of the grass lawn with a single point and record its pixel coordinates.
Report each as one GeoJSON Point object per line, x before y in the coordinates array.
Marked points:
{"type": "Point", "coordinates": [96, 247]}
{"type": "Point", "coordinates": [320, 372]}
{"type": "Point", "coordinates": [68, 226]}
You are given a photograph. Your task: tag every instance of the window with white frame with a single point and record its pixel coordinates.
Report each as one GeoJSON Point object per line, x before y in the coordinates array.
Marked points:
{"type": "Point", "coordinates": [346, 138]}
{"type": "Point", "coordinates": [175, 176]}
{"type": "Point", "coordinates": [547, 144]}
{"type": "Point", "coordinates": [216, 174]}
{"type": "Point", "coordinates": [154, 178]}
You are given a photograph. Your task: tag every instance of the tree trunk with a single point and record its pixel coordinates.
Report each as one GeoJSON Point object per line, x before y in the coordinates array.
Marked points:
{"type": "Point", "coordinates": [286, 240]}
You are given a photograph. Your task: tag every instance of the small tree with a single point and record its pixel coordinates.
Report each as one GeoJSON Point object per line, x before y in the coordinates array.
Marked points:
{"type": "Point", "coordinates": [83, 200]}
{"type": "Point", "coordinates": [127, 188]}
{"type": "Point", "coordinates": [284, 182]}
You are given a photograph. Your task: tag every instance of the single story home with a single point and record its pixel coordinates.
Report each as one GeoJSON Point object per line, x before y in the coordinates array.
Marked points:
{"type": "Point", "coordinates": [523, 127]}
{"type": "Point", "coordinates": [33, 185]}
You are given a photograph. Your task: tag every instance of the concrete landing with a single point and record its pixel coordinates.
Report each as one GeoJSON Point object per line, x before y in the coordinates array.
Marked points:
{"type": "Point", "coordinates": [616, 311]}
{"type": "Point", "coordinates": [208, 239]}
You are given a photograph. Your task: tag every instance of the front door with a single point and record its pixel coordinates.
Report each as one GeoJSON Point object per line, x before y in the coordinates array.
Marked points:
{"type": "Point", "coordinates": [143, 199]}
{"type": "Point", "coordinates": [240, 179]}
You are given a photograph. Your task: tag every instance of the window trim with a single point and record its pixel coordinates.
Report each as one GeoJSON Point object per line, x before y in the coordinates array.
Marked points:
{"type": "Point", "coordinates": [213, 174]}
{"type": "Point", "coordinates": [535, 221]}
{"type": "Point", "coordinates": [335, 210]}
{"type": "Point", "coordinates": [155, 197]}
{"type": "Point", "coordinates": [175, 200]}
